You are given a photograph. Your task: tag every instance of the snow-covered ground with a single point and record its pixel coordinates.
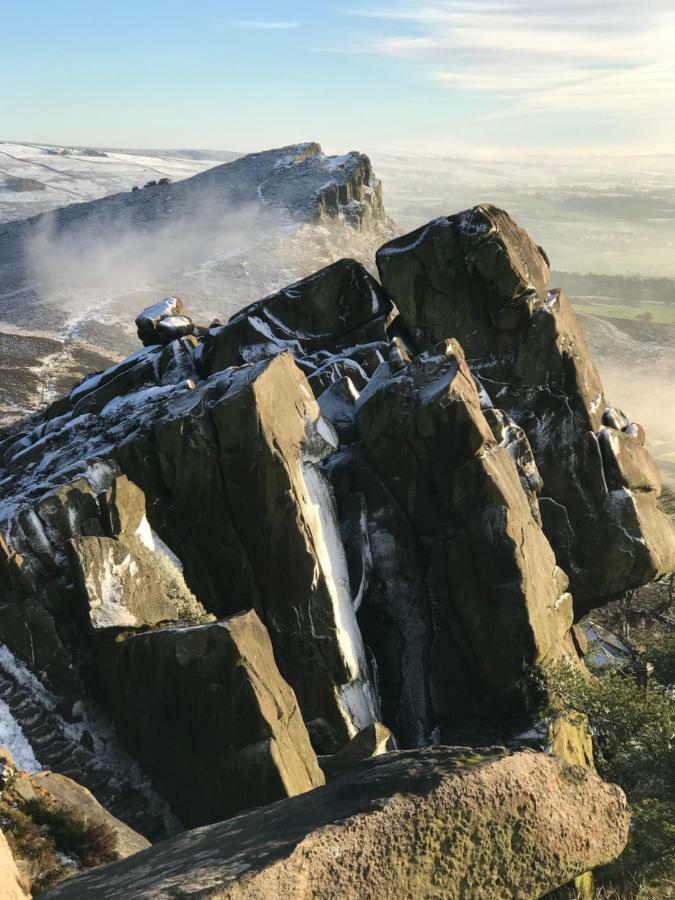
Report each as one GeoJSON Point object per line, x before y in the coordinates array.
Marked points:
{"type": "Point", "coordinates": [36, 178]}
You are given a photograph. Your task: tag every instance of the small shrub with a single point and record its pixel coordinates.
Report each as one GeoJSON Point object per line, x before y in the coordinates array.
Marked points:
{"type": "Point", "coordinates": [51, 842]}
{"type": "Point", "coordinates": [93, 843]}
{"type": "Point", "coordinates": [33, 848]}
{"type": "Point", "coordinates": [633, 729]}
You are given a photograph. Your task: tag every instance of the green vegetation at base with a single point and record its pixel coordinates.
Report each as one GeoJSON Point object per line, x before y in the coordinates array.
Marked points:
{"type": "Point", "coordinates": [633, 725]}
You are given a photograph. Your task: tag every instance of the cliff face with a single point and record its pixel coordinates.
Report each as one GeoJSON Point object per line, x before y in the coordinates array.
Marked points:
{"type": "Point", "coordinates": [400, 480]}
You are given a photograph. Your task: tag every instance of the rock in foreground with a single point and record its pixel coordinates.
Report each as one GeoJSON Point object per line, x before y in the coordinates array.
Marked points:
{"type": "Point", "coordinates": [432, 824]}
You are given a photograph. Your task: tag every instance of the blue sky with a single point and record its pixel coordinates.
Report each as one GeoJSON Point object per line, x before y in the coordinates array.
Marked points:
{"type": "Point", "coordinates": [455, 75]}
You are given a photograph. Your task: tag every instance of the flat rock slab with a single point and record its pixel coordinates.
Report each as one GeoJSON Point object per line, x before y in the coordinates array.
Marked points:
{"type": "Point", "coordinates": [434, 824]}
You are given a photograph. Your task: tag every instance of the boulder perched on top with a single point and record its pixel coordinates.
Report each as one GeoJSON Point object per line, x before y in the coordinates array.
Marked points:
{"type": "Point", "coordinates": [163, 322]}
{"type": "Point", "coordinates": [439, 823]}
{"type": "Point", "coordinates": [479, 278]}
{"type": "Point", "coordinates": [207, 712]}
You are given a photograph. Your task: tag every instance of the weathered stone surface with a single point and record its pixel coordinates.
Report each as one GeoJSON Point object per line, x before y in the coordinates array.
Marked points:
{"type": "Point", "coordinates": [320, 312]}
{"type": "Point", "coordinates": [125, 588]}
{"type": "Point", "coordinates": [435, 824]}
{"type": "Point", "coordinates": [490, 275]}
{"type": "Point", "coordinates": [209, 715]}
{"type": "Point", "coordinates": [479, 278]}
{"type": "Point", "coordinates": [274, 543]}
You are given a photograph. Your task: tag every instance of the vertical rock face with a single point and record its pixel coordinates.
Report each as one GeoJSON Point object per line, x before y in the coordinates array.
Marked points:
{"type": "Point", "coordinates": [207, 712]}
{"type": "Point", "coordinates": [479, 278]}
{"type": "Point", "coordinates": [262, 524]}
{"type": "Point", "coordinates": [493, 601]}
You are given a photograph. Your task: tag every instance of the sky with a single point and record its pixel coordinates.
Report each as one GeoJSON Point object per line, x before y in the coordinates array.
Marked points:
{"type": "Point", "coordinates": [511, 76]}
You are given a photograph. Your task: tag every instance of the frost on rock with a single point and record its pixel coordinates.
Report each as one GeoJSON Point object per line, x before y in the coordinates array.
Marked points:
{"type": "Point", "coordinates": [13, 738]}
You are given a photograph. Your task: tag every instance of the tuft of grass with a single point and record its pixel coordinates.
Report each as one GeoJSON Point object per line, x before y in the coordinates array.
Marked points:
{"type": "Point", "coordinates": [51, 842]}
{"type": "Point", "coordinates": [93, 843]}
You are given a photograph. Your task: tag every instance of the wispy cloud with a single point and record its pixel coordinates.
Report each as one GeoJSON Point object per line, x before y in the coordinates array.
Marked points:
{"type": "Point", "coordinates": [265, 24]}
{"type": "Point", "coordinates": [610, 57]}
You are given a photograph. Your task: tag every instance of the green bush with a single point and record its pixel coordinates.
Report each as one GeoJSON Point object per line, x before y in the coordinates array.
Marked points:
{"type": "Point", "coordinates": [633, 729]}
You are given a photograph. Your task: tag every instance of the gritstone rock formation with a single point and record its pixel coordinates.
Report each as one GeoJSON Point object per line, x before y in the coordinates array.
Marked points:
{"type": "Point", "coordinates": [430, 824]}
{"type": "Point", "coordinates": [479, 278]}
{"type": "Point", "coordinates": [352, 518]}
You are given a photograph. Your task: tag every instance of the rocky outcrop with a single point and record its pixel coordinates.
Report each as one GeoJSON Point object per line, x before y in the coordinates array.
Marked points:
{"type": "Point", "coordinates": [434, 823]}
{"type": "Point", "coordinates": [492, 602]}
{"type": "Point", "coordinates": [206, 711]}
{"type": "Point", "coordinates": [479, 278]}
{"type": "Point", "coordinates": [351, 512]}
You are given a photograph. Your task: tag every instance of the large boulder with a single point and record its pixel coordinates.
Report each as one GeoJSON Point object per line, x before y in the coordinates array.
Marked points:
{"type": "Point", "coordinates": [274, 543]}
{"type": "Point", "coordinates": [210, 717]}
{"type": "Point", "coordinates": [477, 277]}
{"type": "Point", "coordinates": [438, 823]}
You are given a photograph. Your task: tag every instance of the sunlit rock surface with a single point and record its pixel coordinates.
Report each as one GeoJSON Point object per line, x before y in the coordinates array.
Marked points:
{"type": "Point", "coordinates": [443, 823]}
{"type": "Point", "coordinates": [478, 277]}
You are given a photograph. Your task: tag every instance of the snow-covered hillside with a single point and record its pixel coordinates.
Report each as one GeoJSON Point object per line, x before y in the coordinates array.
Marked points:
{"type": "Point", "coordinates": [72, 279]}
{"type": "Point", "coordinates": [36, 178]}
